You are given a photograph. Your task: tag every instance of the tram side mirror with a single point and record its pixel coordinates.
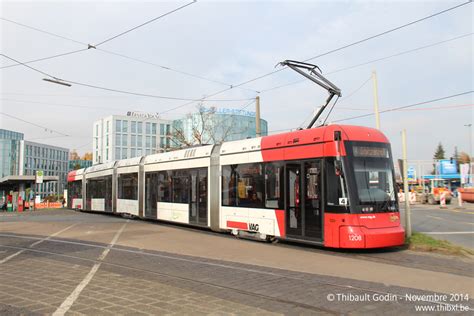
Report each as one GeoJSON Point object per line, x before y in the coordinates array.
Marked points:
{"type": "Point", "coordinates": [338, 168]}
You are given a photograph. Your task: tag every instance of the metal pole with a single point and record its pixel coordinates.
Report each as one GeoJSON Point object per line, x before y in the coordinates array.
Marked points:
{"type": "Point", "coordinates": [376, 100]}
{"type": "Point", "coordinates": [257, 117]}
{"type": "Point", "coordinates": [470, 172]}
{"type": "Point", "coordinates": [405, 186]}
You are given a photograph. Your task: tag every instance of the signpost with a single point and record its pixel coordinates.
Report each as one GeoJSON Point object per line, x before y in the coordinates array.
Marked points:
{"type": "Point", "coordinates": [38, 180]}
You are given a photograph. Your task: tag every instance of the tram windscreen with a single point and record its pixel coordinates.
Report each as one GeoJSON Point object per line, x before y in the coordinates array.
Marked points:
{"type": "Point", "coordinates": [373, 178]}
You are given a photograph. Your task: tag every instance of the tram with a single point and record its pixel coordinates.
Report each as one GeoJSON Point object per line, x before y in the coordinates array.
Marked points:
{"type": "Point", "coordinates": [331, 186]}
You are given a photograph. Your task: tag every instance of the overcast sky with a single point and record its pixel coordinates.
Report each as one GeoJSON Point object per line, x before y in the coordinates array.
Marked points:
{"type": "Point", "coordinates": [231, 42]}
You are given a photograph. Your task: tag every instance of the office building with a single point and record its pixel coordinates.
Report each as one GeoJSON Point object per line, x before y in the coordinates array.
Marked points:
{"type": "Point", "coordinates": [125, 136]}
{"type": "Point", "coordinates": [19, 157]}
{"type": "Point", "coordinates": [79, 164]}
{"type": "Point", "coordinates": [52, 160]}
{"type": "Point", "coordinates": [220, 125]}
{"type": "Point", "coordinates": [9, 152]}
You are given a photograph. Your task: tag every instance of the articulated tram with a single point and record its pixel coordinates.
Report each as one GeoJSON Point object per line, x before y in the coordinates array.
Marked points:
{"type": "Point", "coordinates": [332, 186]}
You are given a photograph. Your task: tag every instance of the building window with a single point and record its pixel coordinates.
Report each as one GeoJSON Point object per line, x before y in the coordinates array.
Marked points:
{"type": "Point", "coordinates": [124, 126]}
{"type": "Point", "coordinates": [148, 128]}
{"type": "Point", "coordinates": [124, 140]}
{"type": "Point", "coordinates": [168, 129]}
{"type": "Point", "coordinates": [162, 142]}
{"type": "Point", "coordinates": [133, 153]}
{"type": "Point", "coordinates": [153, 142]}
{"type": "Point", "coordinates": [133, 127]}
{"type": "Point", "coordinates": [107, 129]}
{"type": "Point", "coordinates": [133, 140]}
{"type": "Point", "coordinates": [118, 126]}
{"type": "Point", "coordinates": [162, 129]}
{"type": "Point", "coordinates": [117, 153]}
{"type": "Point", "coordinates": [124, 153]}
{"type": "Point", "coordinates": [107, 154]}
{"type": "Point", "coordinates": [139, 127]}
{"type": "Point", "coordinates": [148, 142]}
{"type": "Point", "coordinates": [139, 141]}
{"type": "Point", "coordinates": [118, 140]}
{"type": "Point", "coordinates": [153, 128]}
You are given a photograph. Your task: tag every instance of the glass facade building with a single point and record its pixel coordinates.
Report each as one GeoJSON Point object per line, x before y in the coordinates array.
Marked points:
{"type": "Point", "coordinates": [9, 152]}
{"type": "Point", "coordinates": [218, 127]}
{"type": "Point", "coordinates": [21, 157]}
{"type": "Point", "coordinates": [52, 160]}
{"type": "Point", "coordinates": [79, 164]}
{"type": "Point", "coordinates": [123, 136]}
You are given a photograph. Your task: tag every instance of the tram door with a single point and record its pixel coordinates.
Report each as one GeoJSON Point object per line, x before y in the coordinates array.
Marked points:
{"type": "Point", "coordinates": [294, 216]}
{"type": "Point", "coordinates": [312, 200]}
{"type": "Point", "coordinates": [303, 200]}
{"type": "Point", "coordinates": [198, 204]}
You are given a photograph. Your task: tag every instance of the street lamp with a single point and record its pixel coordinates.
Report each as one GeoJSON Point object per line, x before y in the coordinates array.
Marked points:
{"type": "Point", "coordinates": [57, 82]}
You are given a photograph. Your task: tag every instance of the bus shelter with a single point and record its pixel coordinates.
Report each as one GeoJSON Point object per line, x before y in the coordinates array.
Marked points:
{"type": "Point", "coordinates": [13, 189]}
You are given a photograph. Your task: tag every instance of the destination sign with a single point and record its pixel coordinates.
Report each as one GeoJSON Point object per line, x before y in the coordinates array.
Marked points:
{"type": "Point", "coordinates": [375, 152]}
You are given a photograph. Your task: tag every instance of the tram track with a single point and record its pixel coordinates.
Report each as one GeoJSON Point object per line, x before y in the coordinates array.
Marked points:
{"type": "Point", "coordinates": [167, 275]}
{"type": "Point", "coordinates": [205, 263]}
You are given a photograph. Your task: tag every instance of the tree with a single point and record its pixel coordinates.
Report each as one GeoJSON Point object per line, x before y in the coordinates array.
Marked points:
{"type": "Point", "coordinates": [439, 154]}
{"type": "Point", "coordinates": [464, 157]}
{"type": "Point", "coordinates": [73, 155]}
{"type": "Point", "coordinates": [201, 128]}
{"type": "Point", "coordinates": [77, 166]}
{"type": "Point", "coordinates": [87, 156]}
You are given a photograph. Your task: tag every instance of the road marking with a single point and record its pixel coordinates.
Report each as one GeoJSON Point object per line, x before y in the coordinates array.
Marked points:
{"type": "Point", "coordinates": [36, 243]}
{"type": "Point", "coordinates": [447, 233]}
{"type": "Point", "coordinates": [69, 301]}
{"type": "Point", "coordinates": [435, 217]}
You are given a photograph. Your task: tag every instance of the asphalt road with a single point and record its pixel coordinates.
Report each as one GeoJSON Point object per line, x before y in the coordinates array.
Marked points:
{"type": "Point", "coordinates": [452, 224]}
{"type": "Point", "coordinates": [64, 262]}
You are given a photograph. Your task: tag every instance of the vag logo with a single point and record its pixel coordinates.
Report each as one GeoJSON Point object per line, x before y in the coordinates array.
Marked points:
{"type": "Point", "coordinates": [253, 227]}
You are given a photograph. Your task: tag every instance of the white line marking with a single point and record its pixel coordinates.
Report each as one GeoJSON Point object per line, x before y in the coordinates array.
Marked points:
{"type": "Point", "coordinates": [435, 217]}
{"type": "Point", "coordinates": [69, 301]}
{"type": "Point", "coordinates": [447, 233]}
{"type": "Point", "coordinates": [36, 243]}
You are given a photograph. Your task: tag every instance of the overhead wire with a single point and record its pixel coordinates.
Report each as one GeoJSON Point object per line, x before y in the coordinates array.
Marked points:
{"type": "Point", "coordinates": [371, 61]}
{"type": "Point", "coordinates": [123, 91]}
{"type": "Point", "coordinates": [405, 106]}
{"type": "Point", "coordinates": [400, 108]}
{"type": "Point", "coordinates": [349, 45]}
{"type": "Point", "coordinates": [110, 53]}
{"type": "Point", "coordinates": [47, 129]}
{"type": "Point", "coordinates": [143, 24]}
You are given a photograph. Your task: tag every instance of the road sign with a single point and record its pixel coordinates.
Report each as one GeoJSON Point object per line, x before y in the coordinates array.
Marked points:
{"type": "Point", "coordinates": [39, 176]}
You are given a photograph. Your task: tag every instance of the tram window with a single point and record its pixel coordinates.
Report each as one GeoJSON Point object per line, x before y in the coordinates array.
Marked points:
{"type": "Point", "coordinates": [229, 188]}
{"type": "Point", "coordinates": [273, 182]}
{"type": "Point", "coordinates": [181, 186]}
{"type": "Point", "coordinates": [243, 185]}
{"type": "Point", "coordinates": [96, 188]}
{"type": "Point", "coordinates": [151, 193]}
{"type": "Point", "coordinates": [128, 186]}
{"type": "Point", "coordinates": [335, 193]}
{"type": "Point", "coordinates": [164, 186]}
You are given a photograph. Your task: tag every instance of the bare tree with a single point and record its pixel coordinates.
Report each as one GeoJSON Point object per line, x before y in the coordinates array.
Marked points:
{"type": "Point", "coordinates": [202, 127]}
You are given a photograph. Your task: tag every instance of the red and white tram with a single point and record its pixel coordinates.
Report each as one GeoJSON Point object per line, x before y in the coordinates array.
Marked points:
{"type": "Point", "coordinates": [332, 186]}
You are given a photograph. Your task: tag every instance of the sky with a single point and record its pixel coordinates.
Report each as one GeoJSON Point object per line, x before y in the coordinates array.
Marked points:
{"type": "Point", "coordinates": [230, 42]}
